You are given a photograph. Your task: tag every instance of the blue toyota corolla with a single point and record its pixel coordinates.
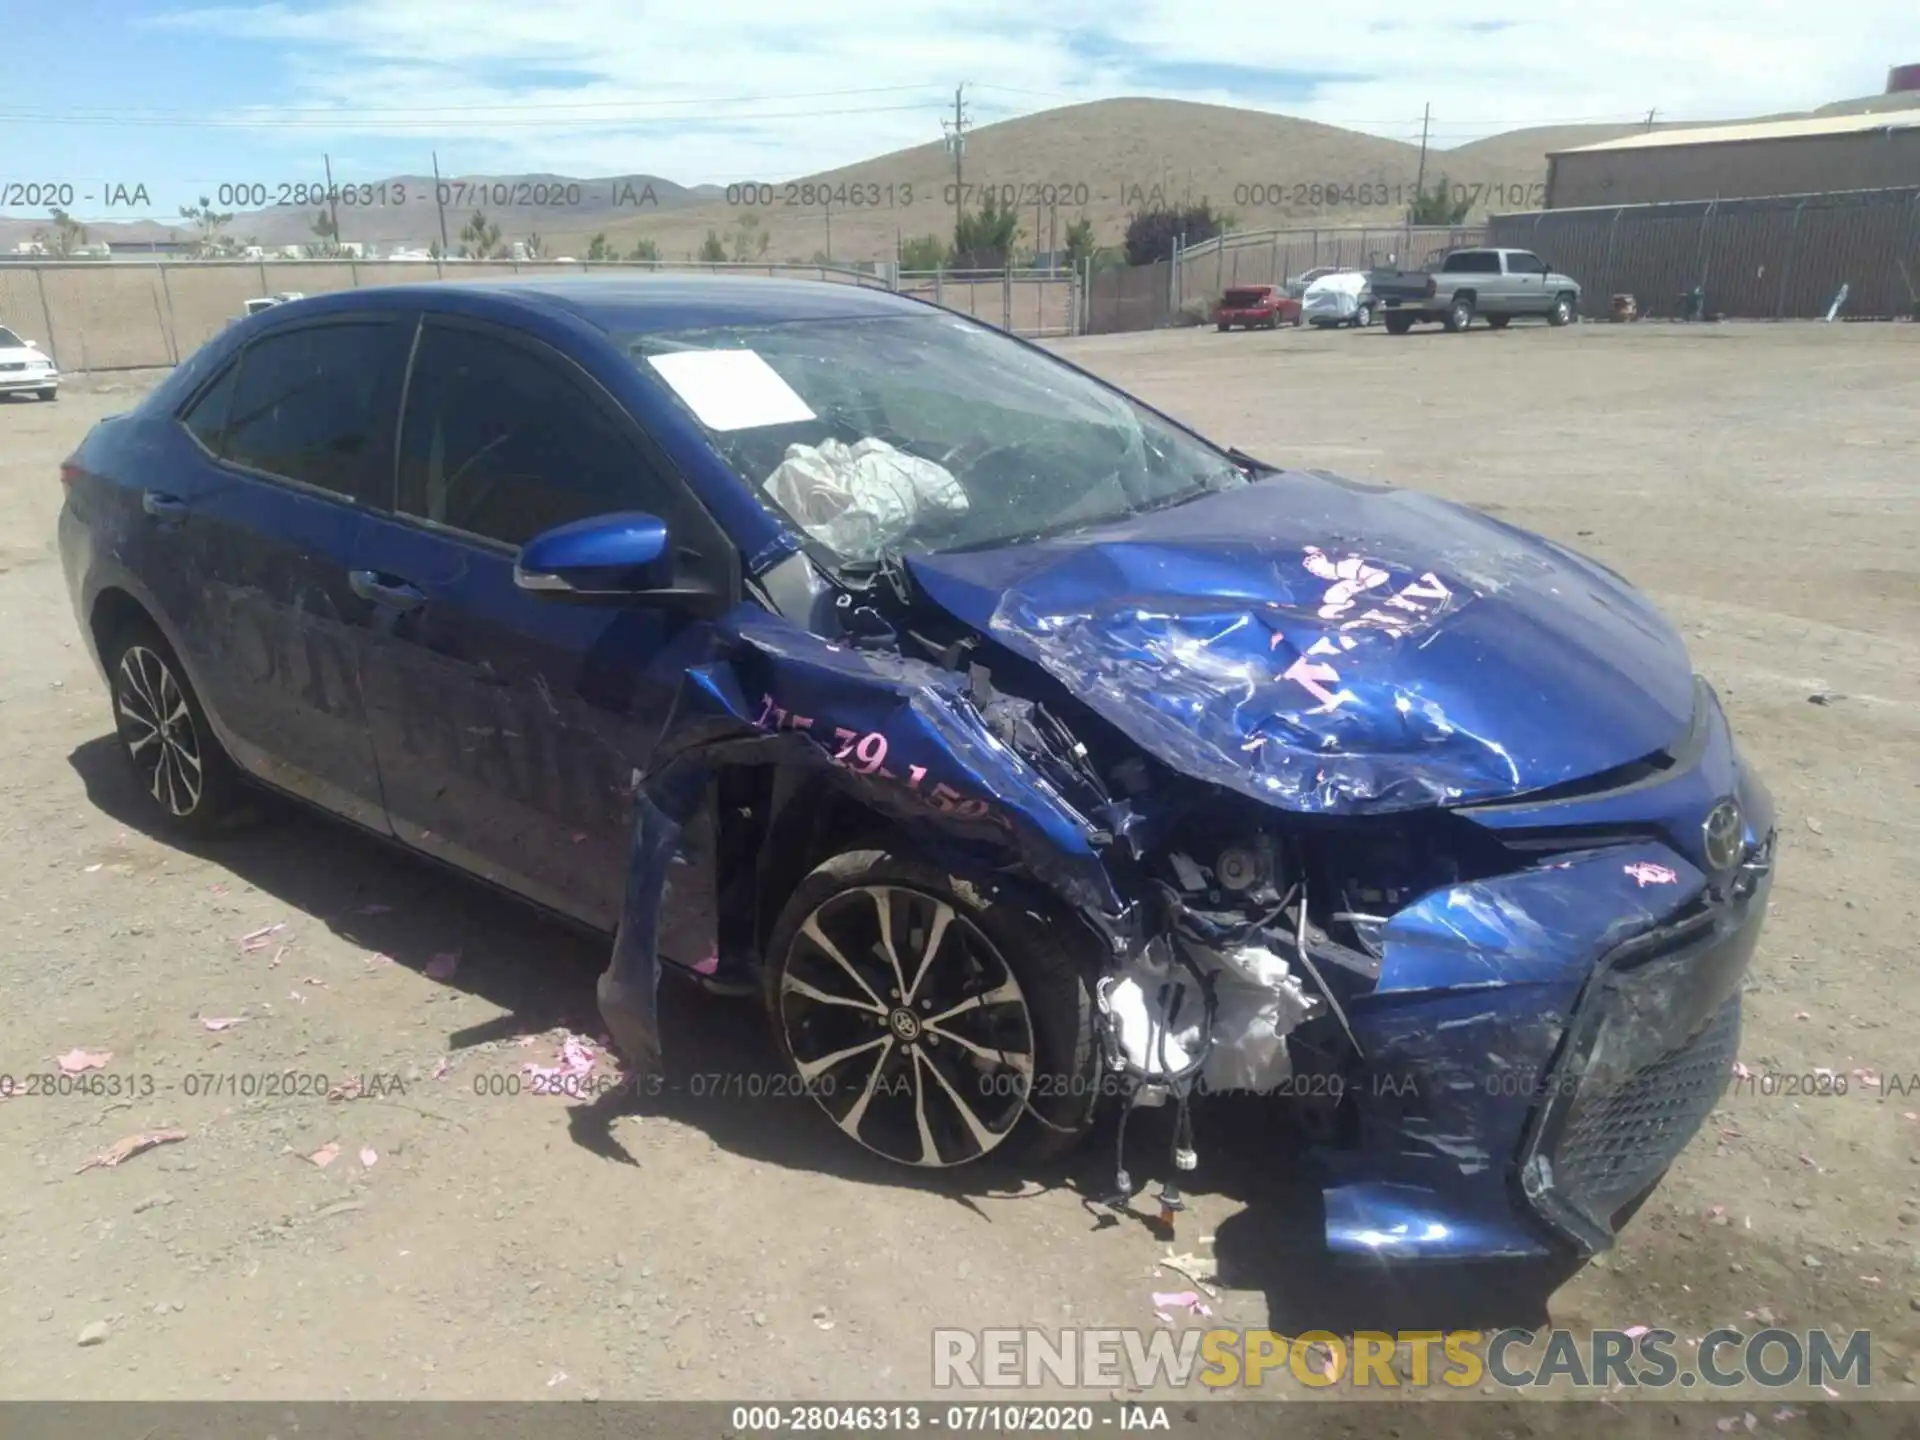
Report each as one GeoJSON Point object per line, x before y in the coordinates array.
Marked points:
{"type": "Point", "coordinates": [1020, 746]}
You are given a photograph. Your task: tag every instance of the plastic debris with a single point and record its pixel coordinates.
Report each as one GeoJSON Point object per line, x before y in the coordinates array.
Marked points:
{"type": "Point", "coordinates": [1200, 1269]}
{"type": "Point", "coordinates": [1740, 1072]}
{"type": "Point", "coordinates": [576, 1062]}
{"type": "Point", "coordinates": [349, 1089]}
{"type": "Point", "coordinates": [326, 1154]}
{"type": "Point", "coordinates": [368, 1157]}
{"type": "Point", "coordinates": [441, 1066]}
{"type": "Point", "coordinates": [75, 1062]}
{"type": "Point", "coordinates": [92, 868]}
{"type": "Point", "coordinates": [443, 965]}
{"type": "Point", "coordinates": [709, 965]}
{"type": "Point", "coordinates": [1634, 1332]}
{"type": "Point", "coordinates": [261, 938]}
{"type": "Point", "coordinates": [223, 1022]}
{"type": "Point", "coordinates": [1185, 1300]}
{"type": "Point", "coordinates": [130, 1146]}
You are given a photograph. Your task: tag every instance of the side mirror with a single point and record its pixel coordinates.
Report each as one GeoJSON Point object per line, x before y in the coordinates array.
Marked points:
{"type": "Point", "coordinates": [609, 559]}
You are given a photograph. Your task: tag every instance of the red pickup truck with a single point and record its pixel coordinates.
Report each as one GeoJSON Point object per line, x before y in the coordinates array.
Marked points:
{"type": "Point", "coordinates": [1264, 307]}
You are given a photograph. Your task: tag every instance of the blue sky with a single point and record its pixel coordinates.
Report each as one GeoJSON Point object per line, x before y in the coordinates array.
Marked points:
{"type": "Point", "coordinates": [180, 97]}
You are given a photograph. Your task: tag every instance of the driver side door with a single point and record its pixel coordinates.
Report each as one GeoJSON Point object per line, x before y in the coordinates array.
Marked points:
{"type": "Point", "coordinates": [509, 727]}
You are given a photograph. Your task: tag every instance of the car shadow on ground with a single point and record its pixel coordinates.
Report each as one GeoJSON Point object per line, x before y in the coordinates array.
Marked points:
{"type": "Point", "coordinates": [724, 1077]}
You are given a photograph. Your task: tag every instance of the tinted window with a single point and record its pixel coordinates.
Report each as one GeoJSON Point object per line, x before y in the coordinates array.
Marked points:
{"type": "Point", "coordinates": [501, 441]}
{"type": "Point", "coordinates": [317, 405]}
{"type": "Point", "coordinates": [207, 416]}
{"type": "Point", "coordinates": [1521, 263]}
{"type": "Point", "coordinates": [1474, 262]}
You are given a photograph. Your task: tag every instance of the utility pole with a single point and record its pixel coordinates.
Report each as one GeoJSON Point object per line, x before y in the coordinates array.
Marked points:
{"type": "Point", "coordinates": [1650, 115]}
{"type": "Point", "coordinates": [440, 204]}
{"type": "Point", "coordinates": [333, 203]}
{"type": "Point", "coordinates": [956, 129]}
{"type": "Point", "coordinates": [1420, 176]}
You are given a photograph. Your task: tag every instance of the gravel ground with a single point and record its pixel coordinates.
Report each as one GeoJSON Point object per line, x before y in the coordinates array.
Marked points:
{"type": "Point", "coordinates": [1762, 482]}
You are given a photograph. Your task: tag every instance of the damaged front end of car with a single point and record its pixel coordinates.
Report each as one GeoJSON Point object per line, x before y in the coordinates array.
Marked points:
{"type": "Point", "coordinates": [1421, 823]}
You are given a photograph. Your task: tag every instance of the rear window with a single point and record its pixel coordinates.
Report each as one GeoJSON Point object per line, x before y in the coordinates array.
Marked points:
{"type": "Point", "coordinates": [1473, 262]}
{"type": "Point", "coordinates": [1257, 296]}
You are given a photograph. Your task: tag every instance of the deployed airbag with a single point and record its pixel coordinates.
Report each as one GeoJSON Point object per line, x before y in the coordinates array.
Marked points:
{"type": "Point", "coordinates": [862, 499]}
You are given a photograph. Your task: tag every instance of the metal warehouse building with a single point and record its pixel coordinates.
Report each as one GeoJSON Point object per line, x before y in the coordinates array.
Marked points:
{"type": "Point", "coordinates": [1725, 162]}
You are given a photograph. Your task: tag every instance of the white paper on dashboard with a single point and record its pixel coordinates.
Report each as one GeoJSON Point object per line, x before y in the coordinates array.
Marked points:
{"type": "Point", "coordinates": [731, 389]}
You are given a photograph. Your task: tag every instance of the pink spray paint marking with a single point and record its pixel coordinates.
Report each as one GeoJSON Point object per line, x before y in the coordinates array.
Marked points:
{"type": "Point", "coordinates": [1646, 873]}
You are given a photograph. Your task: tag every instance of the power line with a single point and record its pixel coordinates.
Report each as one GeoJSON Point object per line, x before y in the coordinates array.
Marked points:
{"type": "Point", "coordinates": [144, 112]}
{"type": "Point", "coordinates": [349, 120]}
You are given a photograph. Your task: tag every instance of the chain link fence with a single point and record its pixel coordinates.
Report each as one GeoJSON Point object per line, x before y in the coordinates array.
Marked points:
{"type": "Point", "coordinates": [1778, 258]}
{"type": "Point", "coordinates": [94, 315]}
{"type": "Point", "coordinates": [1270, 257]}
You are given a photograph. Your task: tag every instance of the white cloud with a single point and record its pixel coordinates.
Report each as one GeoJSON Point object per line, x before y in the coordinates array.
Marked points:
{"type": "Point", "coordinates": [1557, 63]}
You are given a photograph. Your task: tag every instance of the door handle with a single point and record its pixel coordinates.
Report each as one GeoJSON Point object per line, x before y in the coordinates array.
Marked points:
{"type": "Point", "coordinates": [163, 506]}
{"type": "Point", "coordinates": [370, 585]}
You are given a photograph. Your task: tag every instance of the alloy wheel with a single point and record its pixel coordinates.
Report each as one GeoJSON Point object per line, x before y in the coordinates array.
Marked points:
{"type": "Point", "coordinates": [907, 1025]}
{"type": "Point", "coordinates": [158, 730]}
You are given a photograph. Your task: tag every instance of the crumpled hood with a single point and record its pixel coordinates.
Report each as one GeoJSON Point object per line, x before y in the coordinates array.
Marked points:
{"type": "Point", "coordinates": [1328, 646]}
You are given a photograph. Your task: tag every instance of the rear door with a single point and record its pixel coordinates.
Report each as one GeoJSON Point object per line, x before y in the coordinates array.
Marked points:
{"type": "Point", "coordinates": [509, 727]}
{"type": "Point", "coordinates": [291, 442]}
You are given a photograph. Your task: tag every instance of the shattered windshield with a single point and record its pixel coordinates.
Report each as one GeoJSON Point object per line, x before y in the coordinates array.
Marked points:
{"type": "Point", "coordinates": [897, 434]}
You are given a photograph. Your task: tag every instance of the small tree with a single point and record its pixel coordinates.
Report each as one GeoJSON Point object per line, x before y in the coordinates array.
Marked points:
{"type": "Point", "coordinates": [923, 252]}
{"type": "Point", "coordinates": [479, 240]}
{"type": "Point", "coordinates": [535, 246]}
{"type": "Point", "coordinates": [326, 242]}
{"type": "Point", "coordinates": [1151, 233]}
{"type": "Point", "coordinates": [712, 249]}
{"type": "Point", "coordinates": [645, 250]}
{"type": "Point", "coordinates": [208, 224]}
{"type": "Point", "coordinates": [598, 248]}
{"type": "Point", "coordinates": [1439, 206]}
{"type": "Point", "coordinates": [984, 240]}
{"type": "Point", "coordinates": [1080, 242]}
{"type": "Point", "coordinates": [750, 242]}
{"type": "Point", "coordinates": [66, 237]}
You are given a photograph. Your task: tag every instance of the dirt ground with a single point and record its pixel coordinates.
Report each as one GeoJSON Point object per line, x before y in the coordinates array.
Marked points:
{"type": "Point", "coordinates": [1762, 482]}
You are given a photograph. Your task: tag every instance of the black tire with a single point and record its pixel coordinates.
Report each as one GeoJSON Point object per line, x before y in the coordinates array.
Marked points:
{"type": "Point", "coordinates": [189, 784]}
{"type": "Point", "coordinates": [1562, 312]}
{"type": "Point", "coordinates": [1225, 328]}
{"type": "Point", "coordinates": [48, 394]}
{"type": "Point", "coordinates": [1459, 315]}
{"type": "Point", "coordinates": [1299, 319]}
{"type": "Point", "coordinates": [1498, 322]}
{"type": "Point", "coordinates": [1363, 317]}
{"type": "Point", "coordinates": [1398, 324]}
{"type": "Point", "coordinates": [1035, 1049]}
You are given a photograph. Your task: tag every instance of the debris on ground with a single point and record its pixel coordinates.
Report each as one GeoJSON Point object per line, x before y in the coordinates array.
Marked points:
{"type": "Point", "coordinates": [1185, 1300]}
{"type": "Point", "coordinates": [222, 1022]}
{"type": "Point", "coordinates": [92, 1333]}
{"type": "Point", "coordinates": [261, 938]}
{"type": "Point", "coordinates": [576, 1062]}
{"type": "Point", "coordinates": [75, 1062]}
{"type": "Point", "coordinates": [1200, 1269]}
{"type": "Point", "coordinates": [368, 1157]}
{"type": "Point", "coordinates": [131, 1145]}
{"type": "Point", "coordinates": [326, 1154]}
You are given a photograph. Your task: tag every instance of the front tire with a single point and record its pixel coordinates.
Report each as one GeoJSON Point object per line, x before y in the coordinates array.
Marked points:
{"type": "Point", "coordinates": [928, 1013]}
{"type": "Point", "coordinates": [1363, 317]}
{"type": "Point", "coordinates": [1398, 324]}
{"type": "Point", "coordinates": [190, 785]}
{"type": "Point", "coordinates": [1562, 312]}
{"type": "Point", "coordinates": [48, 394]}
{"type": "Point", "coordinates": [1224, 328]}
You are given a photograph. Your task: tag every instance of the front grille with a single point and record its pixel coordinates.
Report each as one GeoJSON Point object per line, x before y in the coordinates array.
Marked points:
{"type": "Point", "coordinates": [1618, 1138]}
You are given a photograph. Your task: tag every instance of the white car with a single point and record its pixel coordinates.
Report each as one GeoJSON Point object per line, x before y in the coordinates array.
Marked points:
{"type": "Point", "coordinates": [1340, 297]}
{"type": "Point", "coordinates": [24, 370]}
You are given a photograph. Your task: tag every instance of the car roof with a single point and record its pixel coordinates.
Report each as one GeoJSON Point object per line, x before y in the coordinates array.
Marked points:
{"type": "Point", "coordinates": [623, 304]}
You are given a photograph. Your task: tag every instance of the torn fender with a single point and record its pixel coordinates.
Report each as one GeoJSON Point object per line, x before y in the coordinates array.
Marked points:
{"type": "Point", "coordinates": [901, 736]}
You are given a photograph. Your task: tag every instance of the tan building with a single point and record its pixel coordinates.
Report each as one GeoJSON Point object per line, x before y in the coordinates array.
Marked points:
{"type": "Point", "coordinates": [1725, 162]}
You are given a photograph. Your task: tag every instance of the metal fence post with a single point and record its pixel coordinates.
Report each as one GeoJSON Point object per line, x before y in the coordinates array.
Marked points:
{"type": "Point", "coordinates": [173, 320]}
{"type": "Point", "coordinates": [1700, 256]}
{"type": "Point", "coordinates": [46, 310]}
{"type": "Point", "coordinates": [353, 272]}
{"type": "Point", "coordinates": [263, 277]}
{"type": "Point", "coordinates": [1606, 266]}
{"type": "Point", "coordinates": [939, 288]}
{"type": "Point", "coordinates": [1786, 267]}
{"type": "Point", "coordinates": [1006, 297]}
